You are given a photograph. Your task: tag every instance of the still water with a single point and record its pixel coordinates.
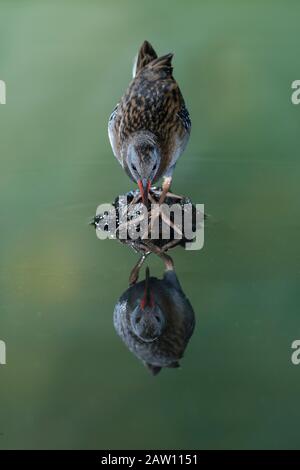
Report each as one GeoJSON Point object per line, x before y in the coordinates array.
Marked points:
{"type": "Point", "coordinates": [69, 382]}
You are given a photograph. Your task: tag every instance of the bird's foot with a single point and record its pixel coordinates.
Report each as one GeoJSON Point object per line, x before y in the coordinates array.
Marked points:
{"type": "Point", "coordinates": [136, 199]}
{"type": "Point", "coordinates": [168, 262]}
{"type": "Point", "coordinates": [158, 211]}
{"type": "Point", "coordinates": [134, 275]}
{"type": "Point", "coordinates": [165, 189]}
{"type": "Point", "coordinates": [174, 196]}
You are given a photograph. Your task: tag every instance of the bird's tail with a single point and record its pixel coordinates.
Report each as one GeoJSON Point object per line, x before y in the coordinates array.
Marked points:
{"type": "Point", "coordinates": [145, 55]}
{"type": "Point", "coordinates": [162, 66]}
{"type": "Point", "coordinates": [153, 369]}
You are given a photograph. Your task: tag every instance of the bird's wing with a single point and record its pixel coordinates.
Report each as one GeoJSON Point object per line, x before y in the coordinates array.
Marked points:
{"type": "Point", "coordinates": [153, 369]}
{"type": "Point", "coordinates": [173, 281]}
{"type": "Point", "coordinates": [171, 278]}
{"type": "Point", "coordinates": [113, 132]}
{"type": "Point", "coordinates": [185, 119]}
{"type": "Point", "coordinates": [119, 316]}
{"type": "Point", "coordinates": [181, 137]}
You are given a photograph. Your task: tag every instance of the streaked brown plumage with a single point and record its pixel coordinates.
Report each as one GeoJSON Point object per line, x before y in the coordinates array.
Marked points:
{"type": "Point", "coordinates": [150, 126]}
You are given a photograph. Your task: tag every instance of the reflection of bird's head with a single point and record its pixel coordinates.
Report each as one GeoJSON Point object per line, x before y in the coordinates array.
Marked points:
{"type": "Point", "coordinates": [143, 161]}
{"type": "Point", "coordinates": [147, 319]}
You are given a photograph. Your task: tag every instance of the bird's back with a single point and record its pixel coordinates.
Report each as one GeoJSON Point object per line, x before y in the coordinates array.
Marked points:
{"type": "Point", "coordinates": [152, 100]}
{"type": "Point", "coordinates": [152, 103]}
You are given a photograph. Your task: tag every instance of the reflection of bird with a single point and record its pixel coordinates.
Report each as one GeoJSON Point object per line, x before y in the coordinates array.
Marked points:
{"type": "Point", "coordinates": [155, 320]}
{"type": "Point", "coordinates": [150, 127]}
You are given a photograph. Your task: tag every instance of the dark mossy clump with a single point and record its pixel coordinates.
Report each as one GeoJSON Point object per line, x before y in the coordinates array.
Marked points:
{"type": "Point", "coordinates": [170, 228]}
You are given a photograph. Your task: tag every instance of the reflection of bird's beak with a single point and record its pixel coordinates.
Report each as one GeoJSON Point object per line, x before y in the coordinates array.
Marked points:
{"type": "Point", "coordinates": [147, 300]}
{"type": "Point", "coordinates": [144, 186]}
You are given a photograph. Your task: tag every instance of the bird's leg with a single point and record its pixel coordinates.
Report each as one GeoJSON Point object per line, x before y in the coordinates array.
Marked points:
{"type": "Point", "coordinates": [158, 211]}
{"type": "Point", "coordinates": [168, 221]}
{"type": "Point", "coordinates": [154, 213]}
{"type": "Point", "coordinates": [165, 189]}
{"type": "Point", "coordinates": [174, 196]}
{"type": "Point", "coordinates": [168, 262]}
{"type": "Point", "coordinates": [170, 245]}
{"type": "Point", "coordinates": [134, 275]}
{"type": "Point", "coordinates": [135, 199]}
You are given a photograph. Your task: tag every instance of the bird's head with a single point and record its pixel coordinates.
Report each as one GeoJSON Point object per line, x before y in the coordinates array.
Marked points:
{"type": "Point", "coordinates": [147, 319]}
{"type": "Point", "coordinates": [143, 161]}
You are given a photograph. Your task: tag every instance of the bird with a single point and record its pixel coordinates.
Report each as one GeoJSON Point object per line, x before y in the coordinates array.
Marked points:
{"type": "Point", "coordinates": [155, 320]}
{"type": "Point", "coordinates": [150, 126]}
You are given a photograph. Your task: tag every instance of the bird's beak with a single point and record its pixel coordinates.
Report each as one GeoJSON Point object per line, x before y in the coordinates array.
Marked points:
{"type": "Point", "coordinates": [147, 300]}
{"type": "Point", "coordinates": [144, 186]}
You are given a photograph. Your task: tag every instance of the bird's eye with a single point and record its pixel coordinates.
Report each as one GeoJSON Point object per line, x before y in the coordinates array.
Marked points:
{"type": "Point", "coordinates": [155, 166]}
{"type": "Point", "coordinates": [133, 167]}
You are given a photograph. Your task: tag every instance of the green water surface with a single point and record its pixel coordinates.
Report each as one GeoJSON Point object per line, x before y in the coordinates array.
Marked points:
{"type": "Point", "coordinates": [69, 382]}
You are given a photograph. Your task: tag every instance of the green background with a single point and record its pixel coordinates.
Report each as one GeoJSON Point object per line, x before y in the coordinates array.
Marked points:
{"type": "Point", "coordinates": [69, 382]}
